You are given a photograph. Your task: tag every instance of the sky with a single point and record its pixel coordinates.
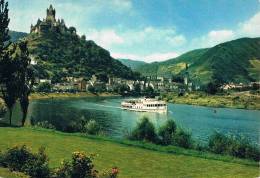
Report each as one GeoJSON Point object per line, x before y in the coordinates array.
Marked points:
{"type": "Point", "coordinates": [148, 30]}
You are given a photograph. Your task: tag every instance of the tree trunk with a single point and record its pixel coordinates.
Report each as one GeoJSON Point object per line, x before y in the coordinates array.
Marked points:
{"type": "Point", "coordinates": [24, 117]}
{"type": "Point", "coordinates": [24, 103]}
{"type": "Point", "coordinates": [10, 115]}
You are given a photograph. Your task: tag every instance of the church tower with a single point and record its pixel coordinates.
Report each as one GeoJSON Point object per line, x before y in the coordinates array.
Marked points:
{"type": "Point", "coordinates": [51, 14]}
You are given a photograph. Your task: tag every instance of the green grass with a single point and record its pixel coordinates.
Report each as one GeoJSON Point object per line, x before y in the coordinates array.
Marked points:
{"type": "Point", "coordinates": [132, 160]}
{"type": "Point", "coordinates": [4, 172]}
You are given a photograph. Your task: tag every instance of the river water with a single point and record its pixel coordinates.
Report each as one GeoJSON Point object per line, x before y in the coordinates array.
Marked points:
{"type": "Point", "coordinates": [115, 122]}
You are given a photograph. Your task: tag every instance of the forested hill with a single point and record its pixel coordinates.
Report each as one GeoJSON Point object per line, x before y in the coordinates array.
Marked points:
{"type": "Point", "coordinates": [15, 36]}
{"type": "Point", "coordinates": [67, 54]}
{"type": "Point", "coordinates": [233, 61]}
{"type": "Point", "coordinates": [133, 64]}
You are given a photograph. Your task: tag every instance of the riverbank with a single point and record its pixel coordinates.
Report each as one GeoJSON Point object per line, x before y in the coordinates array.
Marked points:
{"type": "Point", "coordinates": [238, 100]}
{"type": "Point", "coordinates": [144, 159]}
{"type": "Point", "coordinates": [35, 96]}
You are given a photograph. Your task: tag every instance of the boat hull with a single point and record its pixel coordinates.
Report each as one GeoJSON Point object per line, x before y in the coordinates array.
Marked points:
{"type": "Point", "coordinates": [146, 110]}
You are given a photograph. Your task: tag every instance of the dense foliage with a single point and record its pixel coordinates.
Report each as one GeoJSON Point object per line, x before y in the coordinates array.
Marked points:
{"type": "Point", "coordinates": [168, 134]}
{"type": "Point", "coordinates": [15, 36]}
{"type": "Point", "coordinates": [234, 61]}
{"type": "Point", "coordinates": [234, 146]}
{"type": "Point", "coordinates": [36, 165]}
{"type": "Point", "coordinates": [23, 160]}
{"type": "Point", "coordinates": [66, 54]}
{"type": "Point", "coordinates": [167, 131]}
{"type": "Point", "coordinates": [144, 131]}
{"type": "Point", "coordinates": [92, 127]}
{"type": "Point", "coordinates": [16, 73]}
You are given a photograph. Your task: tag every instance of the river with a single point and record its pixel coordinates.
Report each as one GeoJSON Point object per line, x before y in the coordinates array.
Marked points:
{"type": "Point", "coordinates": [115, 122]}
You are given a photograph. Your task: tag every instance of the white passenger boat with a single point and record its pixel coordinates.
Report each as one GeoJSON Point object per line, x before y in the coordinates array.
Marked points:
{"type": "Point", "coordinates": [144, 105]}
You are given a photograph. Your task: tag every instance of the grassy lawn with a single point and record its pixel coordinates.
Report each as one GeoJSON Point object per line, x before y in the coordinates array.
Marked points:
{"type": "Point", "coordinates": [5, 173]}
{"type": "Point", "coordinates": [132, 161]}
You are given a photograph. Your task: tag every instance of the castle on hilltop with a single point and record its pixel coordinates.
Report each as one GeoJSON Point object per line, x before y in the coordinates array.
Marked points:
{"type": "Point", "coordinates": [50, 23]}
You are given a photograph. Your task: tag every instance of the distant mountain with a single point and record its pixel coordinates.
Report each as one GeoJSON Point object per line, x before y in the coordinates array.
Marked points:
{"type": "Point", "coordinates": [15, 36]}
{"type": "Point", "coordinates": [172, 66]}
{"type": "Point", "coordinates": [60, 52]}
{"type": "Point", "coordinates": [233, 61]}
{"type": "Point", "coordinates": [133, 64]}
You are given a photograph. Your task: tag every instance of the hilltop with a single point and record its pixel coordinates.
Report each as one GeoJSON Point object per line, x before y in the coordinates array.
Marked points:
{"type": "Point", "coordinates": [15, 36]}
{"type": "Point", "coordinates": [133, 64]}
{"type": "Point", "coordinates": [233, 61]}
{"type": "Point", "coordinates": [60, 52]}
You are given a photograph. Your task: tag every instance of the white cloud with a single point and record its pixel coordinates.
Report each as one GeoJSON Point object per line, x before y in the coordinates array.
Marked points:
{"type": "Point", "coordinates": [251, 27]}
{"type": "Point", "coordinates": [149, 43]}
{"type": "Point", "coordinates": [148, 58]}
{"type": "Point", "coordinates": [178, 40]}
{"type": "Point", "coordinates": [213, 38]}
{"type": "Point", "coordinates": [248, 28]}
{"type": "Point", "coordinates": [105, 38]}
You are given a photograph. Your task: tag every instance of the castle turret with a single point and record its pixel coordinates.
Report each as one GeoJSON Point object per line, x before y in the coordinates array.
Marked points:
{"type": "Point", "coordinates": [51, 14]}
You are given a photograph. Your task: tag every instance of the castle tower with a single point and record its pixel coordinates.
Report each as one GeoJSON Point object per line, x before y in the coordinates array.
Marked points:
{"type": "Point", "coordinates": [51, 14]}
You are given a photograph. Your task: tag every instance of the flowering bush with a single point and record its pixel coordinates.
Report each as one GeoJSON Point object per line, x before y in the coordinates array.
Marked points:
{"type": "Point", "coordinates": [112, 173]}
{"type": "Point", "coordinates": [81, 166]}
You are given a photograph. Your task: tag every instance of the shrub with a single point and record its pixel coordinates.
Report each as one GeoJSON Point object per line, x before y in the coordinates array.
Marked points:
{"type": "Point", "coordinates": [218, 143]}
{"type": "Point", "coordinates": [112, 173]}
{"type": "Point", "coordinates": [144, 131]}
{"type": "Point", "coordinates": [92, 127]}
{"type": "Point", "coordinates": [234, 146]}
{"type": "Point", "coordinates": [16, 157]}
{"type": "Point", "coordinates": [81, 166]}
{"type": "Point", "coordinates": [182, 138]}
{"type": "Point", "coordinates": [167, 132]}
{"type": "Point", "coordinates": [3, 109]}
{"type": "Point", "coordinates": [23, 160]}
{"type": "Point", "coordinates": [44, 87]}
{"type": "Point", "coordinates": [37, 165]}
{"type": "Point", "coordinates": [64, 171]}
{"type": "Point", "coordinates": [2, 164]}
{"type": "Point", "coordinates": [45, 124]}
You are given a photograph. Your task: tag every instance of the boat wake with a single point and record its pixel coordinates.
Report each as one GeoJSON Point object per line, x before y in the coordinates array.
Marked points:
{"type": "Point", "coordinates": [108, 106]}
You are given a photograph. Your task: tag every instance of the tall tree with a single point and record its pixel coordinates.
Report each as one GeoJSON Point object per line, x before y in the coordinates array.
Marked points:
{"type": "Point", "coordinates": [8, 83]}
{"type": "Point", "coordinates": [4, 22]}
{"type": "Point", "coordinates": [26, 78]}
{"type": "Point", "coordinates": [7, 66]}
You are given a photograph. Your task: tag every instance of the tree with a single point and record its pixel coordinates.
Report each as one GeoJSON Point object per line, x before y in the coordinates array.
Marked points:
{"type": "Point", "coordinates": [44, 87]}
{"type": "Point", "coordinates": [167, 131]}
{"type": "Point", "coordinates": [8, 83]}
{"type": "Point", "coordinates": [212, 88]}
{"type": "Point", "coordinates": [149, 92]}
{"type": "Point", "coordinates": [144, 131]}
{"type": "Point", "coordinates": [137, 89]}
{"type": "Point", "coordinates": [9, 78]}
{"type": "Point", "coordinates": [4, 22]}
{"type": "Point", "coordinates": [26, 78]}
